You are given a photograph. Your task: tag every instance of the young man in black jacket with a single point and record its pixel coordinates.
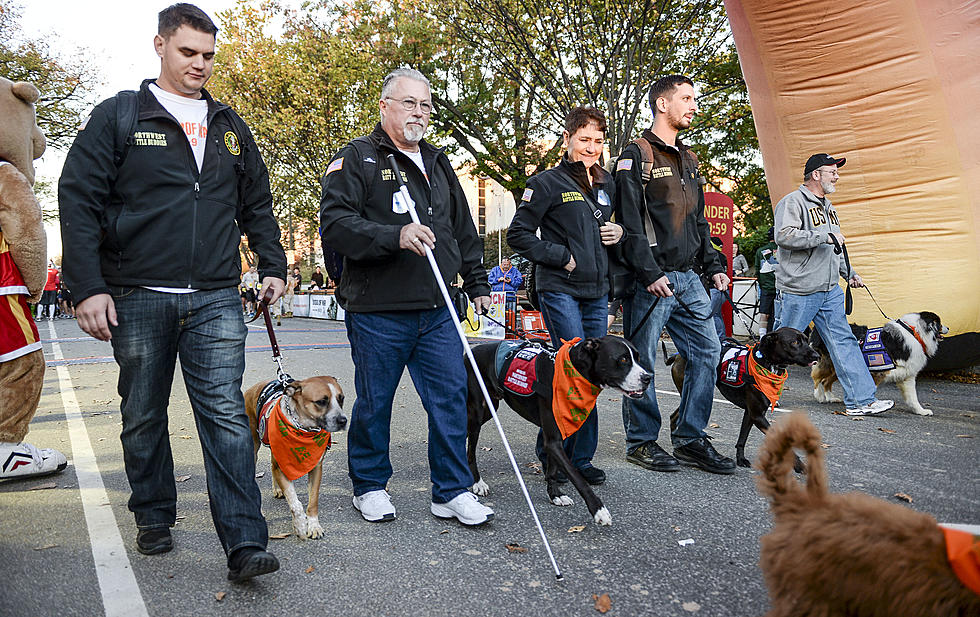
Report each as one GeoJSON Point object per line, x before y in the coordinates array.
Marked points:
{"type": "Point", "coordinates": [151, 255]}
{"type": "Point", "coordinates": [395, 312]}
{"type": "Point", "coordinates": [667, 262]}
{"type": "Point", "coordinates": [571, 205]}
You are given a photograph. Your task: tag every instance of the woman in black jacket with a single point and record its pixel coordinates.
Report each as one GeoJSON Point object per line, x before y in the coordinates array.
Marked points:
{"type": "Point", "coordinates": [571, 205]}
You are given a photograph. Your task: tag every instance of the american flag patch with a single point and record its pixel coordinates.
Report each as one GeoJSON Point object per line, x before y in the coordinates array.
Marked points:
{"type": "Point", "coordinates": [527, 194]}
{"type": "Point", "coordinates": [335, 166]}
{"type": "Point", "coordinates": [624, 165]}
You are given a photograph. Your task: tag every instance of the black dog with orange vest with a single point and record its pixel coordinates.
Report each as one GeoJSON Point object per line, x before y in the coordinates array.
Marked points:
{"type": "Point", "coordinates": [524, 375]}
{"type": "Point", "coordinates": [752, 378]}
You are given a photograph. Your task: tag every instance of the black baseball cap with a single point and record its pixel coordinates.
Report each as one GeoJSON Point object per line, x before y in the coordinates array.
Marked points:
{"type": "Point", "coordinates": [817, 161]}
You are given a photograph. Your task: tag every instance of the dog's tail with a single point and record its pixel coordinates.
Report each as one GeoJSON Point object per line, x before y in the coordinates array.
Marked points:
{"type": "Point", "coordinates": [776, 459]}
{"type": "Point", "coordinates": [668, 360]}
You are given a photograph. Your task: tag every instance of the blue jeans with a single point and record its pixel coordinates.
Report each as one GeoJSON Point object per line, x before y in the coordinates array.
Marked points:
{"type": "Point", "coordinates": [826, 310]}
{"type": "Point", "coordinates": [717, 302]}
{"type": "Point", "coordinates": [696, 340]}
{"type": "Point", "coordinates": [382, 344]}
{"type": "Point", "coordinates": [568, 317]}
{"type": "Point", "coordinates": [205, 329]}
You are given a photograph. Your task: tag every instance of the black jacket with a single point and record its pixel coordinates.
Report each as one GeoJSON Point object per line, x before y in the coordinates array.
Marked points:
{"type": "Point", "coordinates": [674, 200]}
{"type": "Point", "coordinates": [357, 219]}
{"type": "Point", "coordinates": [555, 201]}
{"type": "Point", "coordinates": [156, 220]}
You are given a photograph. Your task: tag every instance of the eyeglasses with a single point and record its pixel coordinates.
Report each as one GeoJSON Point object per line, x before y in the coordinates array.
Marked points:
{"type": "Point", "coordinates": [832, 172]}
{"type": "Point", "coordinates": [410, 104]}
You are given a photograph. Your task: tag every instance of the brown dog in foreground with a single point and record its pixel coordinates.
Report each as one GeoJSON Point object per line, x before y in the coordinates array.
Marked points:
{"type": "Point", "coordinates": [831, 554]}
{"type": "Point", "coordinates": [311, 405]}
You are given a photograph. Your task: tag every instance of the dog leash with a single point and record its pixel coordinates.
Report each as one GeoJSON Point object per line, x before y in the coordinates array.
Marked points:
{"type": "Point", "coordinates": [282, 375]}
{"type": "Point", "coordinates": [740, 314]}
{"type": "Point", "coordinates": [840, 248]}
{"type": "Point", "coordinates": [437, 274]}
{"type": "Point", "coordinates": [519, 334]}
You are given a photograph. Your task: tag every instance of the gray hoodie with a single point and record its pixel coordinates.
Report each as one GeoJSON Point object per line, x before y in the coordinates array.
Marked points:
{"type": "Point", "coordinates": [807, 263]}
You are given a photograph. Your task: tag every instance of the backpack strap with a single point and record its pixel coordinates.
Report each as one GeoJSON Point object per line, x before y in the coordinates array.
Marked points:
{"type": "Point", "coordinates": [646, 155]}
{"type": "Point", "coordinates": [127, 113]}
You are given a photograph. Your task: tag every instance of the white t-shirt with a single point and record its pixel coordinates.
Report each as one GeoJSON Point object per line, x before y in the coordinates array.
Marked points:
{"type": "Point", "coordinates": [417, 159]}
{"type": "Point", "coordinates": [192, 114]}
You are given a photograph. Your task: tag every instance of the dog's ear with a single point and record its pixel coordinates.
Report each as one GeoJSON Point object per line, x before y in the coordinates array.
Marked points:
{"type": "Point", "coordinates": [293, 389]}
{"type": "Point", "coordinates": [591, 345]}
{"type": "Point", "coordinates": [767, 343]}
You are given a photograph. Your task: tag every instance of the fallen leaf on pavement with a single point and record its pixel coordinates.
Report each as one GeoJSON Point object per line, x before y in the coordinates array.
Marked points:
{"type": "Point", "coordinates": [472, 551]}
{"type": "Point", "coordinates": [825, 445]}
{"type": "Point", "coordinates": [858, 419]}
{"type": "Point", "coordinates": [965, 436]}
{"type": "Point", "coordinates": [309, 570]}
{"type": "Point", "coordinates": [714, 425]}
{"type": "Point", "coordinates": [486, 449]}
{"type": "Point", "coordinates": [443, 531]}
{"type": "Point", "coordinates": [536, 467]}
{"type": "Point", "coordinates": [885, 430]}
{"type": "Point", "coordinates": [676, 528]}
{"type": "Point", "coordinates": [576, 528]}
{"type": "Point", "coordinates": [515, 548]}
{"type": "Point", "coordinates": [904, 497]}
{"type": "Point", "coordinates": [220, 596]}
{"type": "Point", "coordinates": [602, 603]}
{"type": "Point", "coordinates": [41, 487]}
{"type": "Point", "coordinates": [260, 474]}
{"type": "Point", "coordinates": [686, 542]}
{"type": "Point", "coordinates": [182, 478]}
{"type": "Point", "coordinates": [691, 607]}
{"type": "Point", "coordinates": [45, 547]}
{"type": "Point", "coordinates": [185, 437]}
{"type": "Point", "coordinates": [279, 536]}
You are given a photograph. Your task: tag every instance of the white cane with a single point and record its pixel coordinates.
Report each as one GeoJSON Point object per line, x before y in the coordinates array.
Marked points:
{"type": "Point", "coordinates": [403, 190]}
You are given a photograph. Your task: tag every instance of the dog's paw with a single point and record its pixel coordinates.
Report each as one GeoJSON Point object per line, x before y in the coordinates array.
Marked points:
{"type": "Point", "coordinates": [562, 500]}
{"type": "Point", "coordinates": [277, 492]}
{"type": "Point", "coordinates": [602, 516]}
{"type": "Point", "coordinates": [313, 529]}
{"type": "Point", "coordinates": [741, 461]}
{"type": "Point", "coordinates": [922, 411]}
{"type": "Point", "coordinates": [300, 524]}
{"type": "Point", "coordinates": [481, 488]}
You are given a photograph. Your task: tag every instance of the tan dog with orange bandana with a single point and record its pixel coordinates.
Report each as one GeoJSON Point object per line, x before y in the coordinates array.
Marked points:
{"type": "Point", "coordinates": [295, 420]}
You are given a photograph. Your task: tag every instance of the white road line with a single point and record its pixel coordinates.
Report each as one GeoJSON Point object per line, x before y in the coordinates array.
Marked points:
{"type": "Point", "coordinates": [120, 592]}
{"type": "Point", "coordinates": [718, 400]}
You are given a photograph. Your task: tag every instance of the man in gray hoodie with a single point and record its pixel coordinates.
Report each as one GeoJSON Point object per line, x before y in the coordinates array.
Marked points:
{"type": "Point", "coordinates": [807, 279]}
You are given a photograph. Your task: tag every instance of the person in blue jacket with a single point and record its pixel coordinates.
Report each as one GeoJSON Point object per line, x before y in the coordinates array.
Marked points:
{"type": "Point", "coordinates": [506, 277]}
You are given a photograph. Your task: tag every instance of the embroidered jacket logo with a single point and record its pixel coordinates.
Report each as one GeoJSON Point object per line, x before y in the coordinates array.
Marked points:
{"type": "Point", "coordinates": [147, 138]}
{"type": "Point", "coordinates": [571, 196]}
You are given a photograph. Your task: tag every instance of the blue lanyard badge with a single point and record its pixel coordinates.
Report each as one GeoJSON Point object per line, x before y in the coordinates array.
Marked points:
{"type": "Point", "coordinates": [603, 198]}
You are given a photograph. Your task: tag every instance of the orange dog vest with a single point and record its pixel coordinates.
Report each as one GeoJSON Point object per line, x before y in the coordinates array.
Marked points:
{"type": "Point", "coordinates": [963, 553]}
{"type": "Point", "coordinates": [296, 451]}
{"type": "Point", "coordinates": [572, 396]}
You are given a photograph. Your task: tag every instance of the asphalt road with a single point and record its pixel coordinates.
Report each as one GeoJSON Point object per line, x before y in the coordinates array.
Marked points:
{"type": "Point", "coordinates": [50, 544]}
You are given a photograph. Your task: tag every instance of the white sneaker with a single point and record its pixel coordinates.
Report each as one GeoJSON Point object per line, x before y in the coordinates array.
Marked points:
{"type": "Point", "coordinates": [873, 408]}
{"type": "Point", "coordinates": [23, 460]}
{"type": "Point", "coordinates": [465, 507]}
{"type": "Point", "coordinates": [375, 506]}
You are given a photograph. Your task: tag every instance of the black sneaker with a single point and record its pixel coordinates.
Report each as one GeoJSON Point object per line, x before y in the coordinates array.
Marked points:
{"type": "Point", "coordinates": [593, 475]}
{"type": "Point", "coordinates": [154, 541]}
{"type": "Point", "coordinates": [701, 453]}
{"type": "Point", "coordinates": [250, 561]}
{"type": "Point", "coordinates": [652, 456]}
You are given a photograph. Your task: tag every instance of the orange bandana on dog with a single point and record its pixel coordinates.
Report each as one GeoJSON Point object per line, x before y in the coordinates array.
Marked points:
{"type": "Point", "coordinates": [963, 553]}
{"type": "Point", "coordinates": [572, 396]}
{"type": "Point", "coordinates": [769, 383]}
{"type": "Point", "coordinates": [295, 450]}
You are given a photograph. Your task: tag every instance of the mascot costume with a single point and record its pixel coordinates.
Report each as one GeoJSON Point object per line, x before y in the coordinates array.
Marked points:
{"type": "Point", "coordinates": [22, 277]}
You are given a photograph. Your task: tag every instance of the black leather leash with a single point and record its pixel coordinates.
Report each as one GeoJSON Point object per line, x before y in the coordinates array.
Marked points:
{"type": "Point", "coordinates": [840, 248]}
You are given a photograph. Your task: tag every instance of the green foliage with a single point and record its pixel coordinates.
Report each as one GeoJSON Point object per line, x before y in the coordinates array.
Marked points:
{"type": "Point", "coordinates": [490, 255]}
{"type": "Point", "coordinates": [66, 83]}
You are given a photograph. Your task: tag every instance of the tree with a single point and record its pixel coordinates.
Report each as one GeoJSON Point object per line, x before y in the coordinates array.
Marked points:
{"type": "Point", "coordinates": [66, 83]}
{"type": "Point", "coordinates": [304, 93]}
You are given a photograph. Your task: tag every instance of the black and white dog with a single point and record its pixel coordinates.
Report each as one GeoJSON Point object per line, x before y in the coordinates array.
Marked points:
{"type": "Point", "coordinates": [604, 362]}
{"type": "Point", "coordinates": [910, 341]}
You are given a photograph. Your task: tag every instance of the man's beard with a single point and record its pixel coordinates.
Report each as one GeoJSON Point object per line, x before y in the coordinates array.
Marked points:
{"type": "Point", "coordinates": [679, 123]}
{"type": "Point", "coordinates": [414, 133]}
{"type": "Point", "coordinates": [828, 187]}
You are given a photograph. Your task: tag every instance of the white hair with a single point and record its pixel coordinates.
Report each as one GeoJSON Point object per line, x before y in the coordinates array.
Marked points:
{"type": "Point", "coordinates": [403, 71]}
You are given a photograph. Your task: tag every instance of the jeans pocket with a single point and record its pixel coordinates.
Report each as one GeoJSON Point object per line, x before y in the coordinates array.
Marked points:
{"type": "Point", "coordinates": [118, 292]}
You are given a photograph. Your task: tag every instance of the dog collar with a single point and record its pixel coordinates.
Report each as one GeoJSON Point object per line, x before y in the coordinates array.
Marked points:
{"type": "Point", "coordinates": [911, 329]}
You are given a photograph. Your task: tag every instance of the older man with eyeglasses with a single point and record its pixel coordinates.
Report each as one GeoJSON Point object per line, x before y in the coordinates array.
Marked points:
{"type": "Point", "coordinates": [395, 314]}
{"type": "Point", "coordinates": [807, 234]}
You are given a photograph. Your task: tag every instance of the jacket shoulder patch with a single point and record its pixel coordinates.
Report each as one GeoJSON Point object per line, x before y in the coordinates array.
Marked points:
{"type": "Point", "coordinates": [335, 166]}
{"type": "Point", "coordinates": [527, 194]}
{"type": "Point", "coordinates": [624, 165]}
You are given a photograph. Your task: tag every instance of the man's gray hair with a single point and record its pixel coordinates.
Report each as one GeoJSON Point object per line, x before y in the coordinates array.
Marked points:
{"type": "Point", "coordinates": [403, 71]}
